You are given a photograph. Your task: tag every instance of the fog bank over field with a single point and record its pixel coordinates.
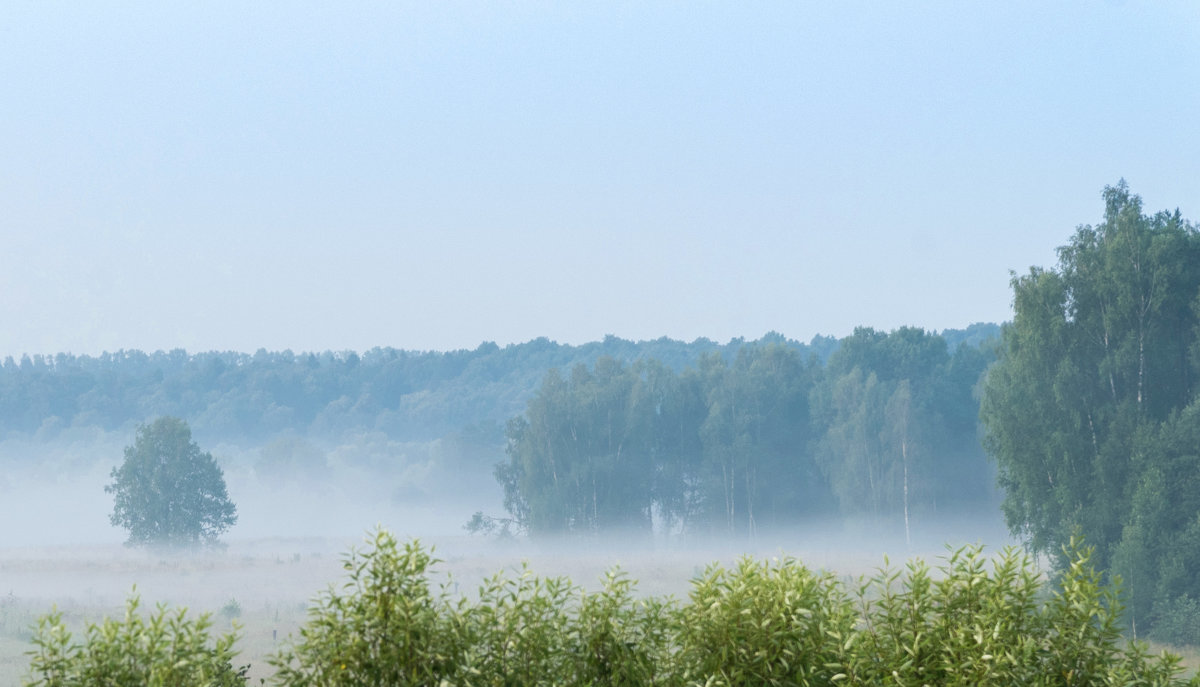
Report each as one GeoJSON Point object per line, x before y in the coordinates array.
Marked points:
{"type": "Point", "coordinates": [655, 457]}
{"type": "Point", "coordinates": [59, 500]}
{"type": "Point", "coordinates": [55, 491]}
{"type": "Point", "coordinates": [742, 439]}
{"type": "Point", "coordinates": [303, 503]}
{"type": "Point", "coordinates": [293, 530]}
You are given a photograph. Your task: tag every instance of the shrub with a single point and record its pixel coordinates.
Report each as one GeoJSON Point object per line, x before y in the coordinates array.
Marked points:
{"type": "Point", "coordinates": [977, 620]}
{"type": "Point", "coordinates": [968, 627]}
{"type": "Point", "coordinates": [547, 631]}
{"type": "Point", "coordinates": [383, 627]}
{"type": "Point", "coordinates": [168, 649]}
{"type": "Point", "coordinates": [620, 640]}
{"type": "Point", "coordinates": [975, 626]}
{"type": "Point", "coordinates": [232, 609]}
{"type": "Point", "coordinates": [763, 624]}
{"type": "Point", "coordinates": [517, 631]}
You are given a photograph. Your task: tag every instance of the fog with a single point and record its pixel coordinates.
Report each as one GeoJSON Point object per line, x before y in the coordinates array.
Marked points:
{"type": "Point", "coordinates": [293, 530]}
{"type": "Point", "coordinates": [55, 490]}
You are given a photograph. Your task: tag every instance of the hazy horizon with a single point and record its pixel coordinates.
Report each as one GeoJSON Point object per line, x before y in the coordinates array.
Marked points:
{"type": "Point", "coordinates": [484, 342]}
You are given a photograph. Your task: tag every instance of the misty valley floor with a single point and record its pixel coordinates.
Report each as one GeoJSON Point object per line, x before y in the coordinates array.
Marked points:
{"type": "Point", "coordinates": [265, 584]}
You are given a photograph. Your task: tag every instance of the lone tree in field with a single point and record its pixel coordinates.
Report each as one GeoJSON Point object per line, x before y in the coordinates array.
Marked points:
{"type": "Point", "coordinates": [168, 492]}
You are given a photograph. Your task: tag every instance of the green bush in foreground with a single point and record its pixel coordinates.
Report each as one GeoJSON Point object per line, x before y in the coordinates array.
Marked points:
{"type": "Point", "coordinates": [763, 624]}
{"type": "Point", "coordinates": [167, 649]}
{"type": "Point", "coordinates": [384, 627]}
{"type": "Point", "coordinates": [975, 624]}
{"type": "Point", "coordinates": [976, 620]}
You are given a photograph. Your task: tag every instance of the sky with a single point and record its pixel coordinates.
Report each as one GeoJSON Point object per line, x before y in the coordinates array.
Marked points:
{"type": "Point", "coordinates": [429, 176]}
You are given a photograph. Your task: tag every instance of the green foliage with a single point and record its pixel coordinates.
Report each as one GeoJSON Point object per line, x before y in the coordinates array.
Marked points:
{"type": "Point", "coordinates": [167, 492]}
{"type": "Point", "coordinates": [382, 627]}
{"type": "Point", "coordinates": [621, 640]}
{"type": "Point", "coordinates": [977, 621]}
{"type": "Point", "coordinates": [166, 649]}
{"type": "Point", "coordinates": [1092, 411]}
{"type": "Point", "coordinates": [409, 395]}
{"type": "Point", "coordinates": [530, 630]}
{"type": "Point", "coordinates": [763, 624]}
{"type": "Point", "coordinates": [899, 433]}
{"type": "Point", "coordinates": [578, 461]}
{"type": "Point", "coordinates": [887, 429]}
{"type": "Point", "coordinates": [1177, 621]}
{"type": "Point", "coordinates": [755, 464]}
{"type": "Point", "coordinates": [232, 609]}
{"type": "Point", "coordinates": [517, 633]}
{"type": "Point", "coordinates": [387, 626]}
{"type": "Point", "coordinates": [253, 397]}
{"type": "Point", "coordinates": [966, 625]}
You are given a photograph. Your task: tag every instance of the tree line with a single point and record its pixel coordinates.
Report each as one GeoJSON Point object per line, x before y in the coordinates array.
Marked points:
{"type": "Point", "coordinates": [407, 395]}
{"type": "Point", "coordinates": [886, 429]}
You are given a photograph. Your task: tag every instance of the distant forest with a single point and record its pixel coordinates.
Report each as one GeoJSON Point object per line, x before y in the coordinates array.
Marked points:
{"type": "Point", "coordinates": [657, 434]}
{"type": "Point", "coordinates": [886, 429]}
{"type": "Point", "coordinates": [407, 395]}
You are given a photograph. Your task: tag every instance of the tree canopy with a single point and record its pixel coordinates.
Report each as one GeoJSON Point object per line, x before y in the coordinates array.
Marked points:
{"type": "Point", "coordinates": [886, 430]}
{"type": "Point", "coordinates": [168, 492]}
{"type": "Point", "coordinates": [1091, 411]}
{"type": "Point", "coordinates": [253, 397]}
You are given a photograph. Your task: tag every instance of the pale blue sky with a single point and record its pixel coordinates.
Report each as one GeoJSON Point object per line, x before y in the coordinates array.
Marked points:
{"type": "Point", "coordinates": [231, 175]}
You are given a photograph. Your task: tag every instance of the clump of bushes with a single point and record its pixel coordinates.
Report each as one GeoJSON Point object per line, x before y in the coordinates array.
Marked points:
{"type": "Point", "coordinates": [166, 649]}
{"type": "Point", "coordinates": [977, 620]}
{"type": "Point", "coordinates": [762, 623]}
